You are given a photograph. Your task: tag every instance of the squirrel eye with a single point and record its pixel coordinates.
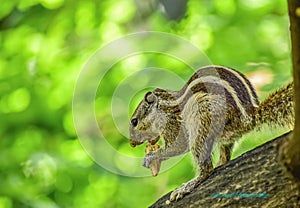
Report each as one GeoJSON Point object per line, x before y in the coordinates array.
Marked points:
{"type": "Point", "coordinates": [134, 122]}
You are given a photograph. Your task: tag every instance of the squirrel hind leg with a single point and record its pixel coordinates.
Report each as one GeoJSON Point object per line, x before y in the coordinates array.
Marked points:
{"type": "Point", "coordinates": [225, 153]}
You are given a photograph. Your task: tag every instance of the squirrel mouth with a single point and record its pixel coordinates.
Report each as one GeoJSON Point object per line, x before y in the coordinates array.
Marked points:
{"type": "Point", "coordinates": [134, 143]}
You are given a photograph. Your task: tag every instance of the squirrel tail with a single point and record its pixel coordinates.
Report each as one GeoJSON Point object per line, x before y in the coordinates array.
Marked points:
{"type": "Point", "coordinates": [278, 109]}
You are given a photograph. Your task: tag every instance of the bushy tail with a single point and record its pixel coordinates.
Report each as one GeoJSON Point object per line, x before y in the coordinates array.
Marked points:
{"type": "Point", "coordinates": [278, 109]}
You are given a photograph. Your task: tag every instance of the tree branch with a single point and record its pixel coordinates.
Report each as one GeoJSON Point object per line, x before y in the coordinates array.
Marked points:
{"type": "Point", "coordinates": [255, 179]}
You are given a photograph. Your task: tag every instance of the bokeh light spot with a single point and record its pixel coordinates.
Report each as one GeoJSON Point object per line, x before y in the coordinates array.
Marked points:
{"type": "Point", "coordinates": [52, 4]}
{"type": "Point", "coordinates": [121, 11]}
{"type": "Point", "coordinates": [19, 100]}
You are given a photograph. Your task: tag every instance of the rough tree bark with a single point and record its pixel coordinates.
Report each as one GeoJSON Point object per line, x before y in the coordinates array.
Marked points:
{"type": "Point", "coordinates": [256, 178]}
{"type": "Point", "coordinates": [269, 175]}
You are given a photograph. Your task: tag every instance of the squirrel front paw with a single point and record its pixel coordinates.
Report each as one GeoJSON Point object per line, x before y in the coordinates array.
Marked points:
{"type": "Point", "coordinates": [149, 158]}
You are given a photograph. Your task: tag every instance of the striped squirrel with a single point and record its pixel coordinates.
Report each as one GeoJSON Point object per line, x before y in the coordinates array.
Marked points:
{"type": "Point", "coordinates": [216, 105]}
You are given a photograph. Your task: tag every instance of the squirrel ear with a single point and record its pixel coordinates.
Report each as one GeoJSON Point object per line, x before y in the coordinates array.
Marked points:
{"type": "Point", "coordinates": [150, 97]}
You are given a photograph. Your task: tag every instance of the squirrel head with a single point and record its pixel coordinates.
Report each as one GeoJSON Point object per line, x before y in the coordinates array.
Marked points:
{"type": "Point", "coordinates": [148, 121]}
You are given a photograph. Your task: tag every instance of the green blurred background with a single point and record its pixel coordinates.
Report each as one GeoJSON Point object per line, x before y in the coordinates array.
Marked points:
{"type": "Point", "coordinates": [45, 43]}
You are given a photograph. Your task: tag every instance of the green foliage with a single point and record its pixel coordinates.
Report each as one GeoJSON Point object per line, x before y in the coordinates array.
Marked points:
{"type": "Point", "coordinates": [44, 44]}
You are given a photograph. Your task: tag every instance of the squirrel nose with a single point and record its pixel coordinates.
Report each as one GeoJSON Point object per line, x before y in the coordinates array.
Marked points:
{"type": "Point", "coordinates": [134, 122]}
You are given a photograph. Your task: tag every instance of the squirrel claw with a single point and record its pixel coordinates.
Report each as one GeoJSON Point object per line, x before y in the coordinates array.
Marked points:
{"type": "Point", "coordinates": [179, 193]}
{"type": "Point", "coordinates": [185, 189]}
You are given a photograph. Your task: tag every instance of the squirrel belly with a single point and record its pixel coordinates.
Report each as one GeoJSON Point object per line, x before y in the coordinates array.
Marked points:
{"type": "Point", "coordinates": [216, 105]}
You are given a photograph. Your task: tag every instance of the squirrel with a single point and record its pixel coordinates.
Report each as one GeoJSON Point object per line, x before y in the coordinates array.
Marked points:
{"type": "Point", "coordinates": [216, 106]}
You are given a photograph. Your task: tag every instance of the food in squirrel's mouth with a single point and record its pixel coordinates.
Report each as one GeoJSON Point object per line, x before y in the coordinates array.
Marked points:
{"type": "Point", "coordinates": [134, 143]}
{"type": "Point", "coordinates": [155, 165]}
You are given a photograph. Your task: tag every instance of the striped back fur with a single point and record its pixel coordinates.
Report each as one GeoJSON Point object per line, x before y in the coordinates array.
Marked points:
{"type": "Point", "coordinates": [235, 87]}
